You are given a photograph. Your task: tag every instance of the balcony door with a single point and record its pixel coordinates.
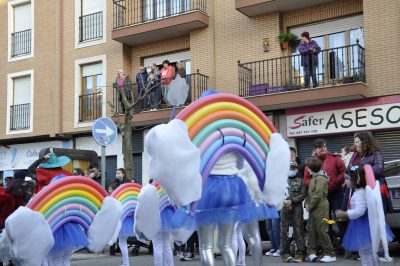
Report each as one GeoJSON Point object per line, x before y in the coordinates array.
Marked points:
{"type": "Point", "coordinates": [21, 37]}
{"type": "Point", "coordinates": [156, 9]}
{"type": "Point", "coordinates": [21, 104]}
{"type": "Point", "coordinates": [91, 20]}
{"type": "Point", "coordinates": [91, 95]}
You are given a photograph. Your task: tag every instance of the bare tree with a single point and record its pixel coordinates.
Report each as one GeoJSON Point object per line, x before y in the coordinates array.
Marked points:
{"type": "Point", "coordinates": [129, 107]}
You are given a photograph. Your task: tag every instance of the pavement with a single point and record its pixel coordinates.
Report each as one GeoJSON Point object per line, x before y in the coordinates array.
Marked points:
{"type": "Point", "coordinates": [87, 259]}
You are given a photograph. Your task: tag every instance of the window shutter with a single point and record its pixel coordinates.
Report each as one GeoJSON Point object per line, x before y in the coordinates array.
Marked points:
{"type": "Point", "coordinates": [174, 57]}
{"type": "Point", "coordinates": [91, 6]}
{"type": "Point", "coordinates": [22, 90]}
{"type": "Point", "coordinates": [92, 69]}
{"type": "Point", "coordinates": [22, 17]}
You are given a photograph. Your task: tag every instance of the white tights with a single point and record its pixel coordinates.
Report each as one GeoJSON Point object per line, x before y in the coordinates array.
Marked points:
{"type": "Point", "coordinates": [123, 245]}
{"type": "Point", "coordinates": [367, 257]}
{"type": "Point", "coordinates": [162, 249]}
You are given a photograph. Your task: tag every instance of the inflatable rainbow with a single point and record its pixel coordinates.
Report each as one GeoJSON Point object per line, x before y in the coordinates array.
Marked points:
{"type": "Point", "coordinates": [164, 200]}
{"type": "Point", "coordinates": [127, 194]}
{"type": "Point", "coordinates": [222, 123]}
{"type": "Point", "coordinates": [71, 199]}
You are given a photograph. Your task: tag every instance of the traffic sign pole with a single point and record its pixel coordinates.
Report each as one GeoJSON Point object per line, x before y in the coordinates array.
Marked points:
{"type": "Point", "coordinates": [103, 166]}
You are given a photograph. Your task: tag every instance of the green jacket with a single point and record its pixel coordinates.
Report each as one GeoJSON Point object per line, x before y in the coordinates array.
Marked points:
{"type": "Point", "coordinates": [317, 197]}
{"type": "Point", "coordinates": [297, 190]}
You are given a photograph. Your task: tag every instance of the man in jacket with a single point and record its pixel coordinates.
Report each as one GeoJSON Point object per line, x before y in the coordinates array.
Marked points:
{"type": "Point", "coordinates": [154, 80]}
{"type": "Point", "coordinates": [141, 82]}
{"type": "Point", "coordinates": [334, 169]}
{"type": "Point", "coordinates": [309, 50]}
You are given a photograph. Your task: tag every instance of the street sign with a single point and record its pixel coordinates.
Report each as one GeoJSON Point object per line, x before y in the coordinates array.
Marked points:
{"type": "Point", "coordinates": [104, 131]}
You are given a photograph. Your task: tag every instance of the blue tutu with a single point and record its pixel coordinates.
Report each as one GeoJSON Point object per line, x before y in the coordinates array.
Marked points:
{"type": "Point", "coordinates": [167, 219]}
{"type": "Point", "coordinates": [358, 234]}
{"type": "Point", "coordinates": [70, 236]}
{"type": "Point", "coordinates": [225, 199]}
{"type": "Point", "coordinates": [265, 212]}
{"type": "Point", "coordinates": [183, 219]}
{"type": "Point", "coordinates": [127, 227]}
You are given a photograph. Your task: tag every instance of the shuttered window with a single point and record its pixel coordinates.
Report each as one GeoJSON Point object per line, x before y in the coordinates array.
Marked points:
{"type": "Point", "coordinates": [92, 78]}
{"type": "Point", "coordinates": [91, 6]}
{"type": "Point", "coordinates": [22, 17]}
{"type": "Point", "coordinates": [390, 144]}
{"type": "Point", "coordinates": [22, 90]}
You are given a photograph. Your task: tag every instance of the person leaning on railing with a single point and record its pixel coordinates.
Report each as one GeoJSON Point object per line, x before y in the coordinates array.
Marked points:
{"type": "Point", "coordinates": [167, 74]}
{"type": "Point", "coordinates": [154, 80]}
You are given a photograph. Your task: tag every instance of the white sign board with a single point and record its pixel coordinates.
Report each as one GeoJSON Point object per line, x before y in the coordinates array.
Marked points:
{"type": "Point", "coordinates": [344, 120]}
{"type": "Point", "coordinates": [21, 156]}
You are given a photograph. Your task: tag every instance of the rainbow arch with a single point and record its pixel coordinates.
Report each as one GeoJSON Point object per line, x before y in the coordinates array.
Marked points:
{"type": "Point", "coordinates": [222, 123]}
{"type": "Point", "coordinates": [70, 199]}
{"type": "Point", "coordinates": [164, 200]}
{"type": "Point", "coordinates": [127, 194]}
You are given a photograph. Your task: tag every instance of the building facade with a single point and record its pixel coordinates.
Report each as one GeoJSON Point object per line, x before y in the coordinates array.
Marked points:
{"type": "Point", "coordinates": [59, 60]}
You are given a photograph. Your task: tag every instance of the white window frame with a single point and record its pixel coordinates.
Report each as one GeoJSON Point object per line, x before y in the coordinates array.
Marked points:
{"type": "Point", "coordinates": [78, 12]}
{"type": "Point", "coordinates": [78, 87]}
{"type": "Point", "coordinates": [11, 5]}
{"type": "Point", "coordinates": [10, 96]}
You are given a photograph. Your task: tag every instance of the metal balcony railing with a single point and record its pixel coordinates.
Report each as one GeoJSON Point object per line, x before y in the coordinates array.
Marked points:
{"type": "Point", "coordinates": [155, 99]}
{"type": "Point", "coordinates": [339, 65]}
{"type": "Point", "coordinates": [131, 12]}
{"type": "Point", "coordinates": [91, 27]}
{"type": "Point", "coordinates": [90, 106]}
{"type": "Point", "coordinates": [21, 43]}
{"type": "Point", "coordinates": [20, 116]}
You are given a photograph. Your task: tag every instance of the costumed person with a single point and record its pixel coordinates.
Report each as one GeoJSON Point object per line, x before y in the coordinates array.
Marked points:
{"type": "Point", "coordinates": [318, 206]}
{"type": "Point", "coordinates": [68, 238]}
{"type": "Point", "coordinates": [239, 245]}
{"type": "Point", "coordinates": [19, 190]}
{"type": "Point", "coordinates": [292, 214]}
{"type": "Point", "coordinates": [127, 227]}
{"type": "Point", "coordinates": [47, 167]}
{"type": "Point", "coordinates": [358, 233]}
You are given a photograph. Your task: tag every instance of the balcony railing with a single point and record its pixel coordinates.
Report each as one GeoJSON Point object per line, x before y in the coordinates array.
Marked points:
{"type": "Point", "coordinates": [91, 27]}
{"type": "Point", "coordinates": [20, 116]}
{"type": "Point", "coordinates": [155, 99]}
{"type": "Point", "coordinates": [339, 65]}
{"type": "Point", "coordinates": [21, 43]}
{"type": "Point", "coordinates": [90, 106]}
{"type": "Point", "coordinates": [131, 12]}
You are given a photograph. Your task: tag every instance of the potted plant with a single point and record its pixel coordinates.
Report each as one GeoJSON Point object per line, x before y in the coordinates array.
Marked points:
{"type": "Point", "coordinates": [287, 39]}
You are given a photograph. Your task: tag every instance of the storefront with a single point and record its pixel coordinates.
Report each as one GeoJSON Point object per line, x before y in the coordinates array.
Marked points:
{"type": "Point", "coordinates": [338, 122]}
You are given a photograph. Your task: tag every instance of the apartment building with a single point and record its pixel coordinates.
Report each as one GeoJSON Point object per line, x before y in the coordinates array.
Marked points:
{"type": "Point", "coordinates": [59, 61]}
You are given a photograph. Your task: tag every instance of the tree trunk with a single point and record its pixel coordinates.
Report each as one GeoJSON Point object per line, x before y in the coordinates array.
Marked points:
{"type": "Point", "coordinates": [127, 147]}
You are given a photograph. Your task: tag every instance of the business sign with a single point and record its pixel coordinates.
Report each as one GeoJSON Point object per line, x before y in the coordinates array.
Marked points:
{"type": "Point", "coordinates": [383, 116]}
{"type": "Point", "coordinates": [21, 156]}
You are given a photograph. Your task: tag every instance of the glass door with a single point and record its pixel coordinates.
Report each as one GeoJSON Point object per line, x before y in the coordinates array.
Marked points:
{"type": "Point", "coordinates": [337, 56]}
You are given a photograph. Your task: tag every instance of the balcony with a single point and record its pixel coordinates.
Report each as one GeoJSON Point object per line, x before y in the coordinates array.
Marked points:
{"type": "Point", "coordinates": [252, 8]}
{"type": "Point", "coordinates": [21, 43]}
{"type": "Point", "coordinates": [20, 116]}
{"type": "Point", "coordinates": [90, 106]}
{"type": "Point", "coordinates": [155, 101]}
{"type": "Point", "coordinates": [137, 22]}
{"type": "Point", "coordinates": [279, 83]}
{"type": "Point", "coordinates": [91, 27]}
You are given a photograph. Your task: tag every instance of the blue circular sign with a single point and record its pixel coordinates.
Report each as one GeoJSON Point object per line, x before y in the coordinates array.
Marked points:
{"type": "Point", "coordinates": [104, 131]}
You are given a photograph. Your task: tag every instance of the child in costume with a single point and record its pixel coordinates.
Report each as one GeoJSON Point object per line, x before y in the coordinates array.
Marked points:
{"type": "Point", "coordinates": [238, 245]}
{"type": "Point", "coordinates": [292, 213]}
{"type": "Point", "coordinates": [318, 206]}
{"type": "Point", "coordinates": [358, 236]}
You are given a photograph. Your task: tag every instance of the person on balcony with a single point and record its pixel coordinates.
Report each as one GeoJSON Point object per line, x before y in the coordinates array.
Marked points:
{"type": "Point", "coordinates": [141, 82]}
{"type": "Point", "coordinates": [181, 70]}
{"type": "Point", "coordinates": [154, 80]}
{"type": "Point", "coordinates": [309, 50]}
{"type": "Point", "coordinates": [167, 74]}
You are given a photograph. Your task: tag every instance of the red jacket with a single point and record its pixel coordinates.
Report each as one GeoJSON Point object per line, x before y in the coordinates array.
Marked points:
{"type": "Point", "coordinates": [167, 74]}
{"type": "Point", "coordinates": [44, 176]}
{"type": "Point", "coordinates": [334, 168]}
{"type": "Point", "coordinates": [8, 205]}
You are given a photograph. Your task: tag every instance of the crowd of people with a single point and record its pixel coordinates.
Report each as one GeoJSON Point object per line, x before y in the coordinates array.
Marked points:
{"type": "Point", "coordinates": [155, 80]}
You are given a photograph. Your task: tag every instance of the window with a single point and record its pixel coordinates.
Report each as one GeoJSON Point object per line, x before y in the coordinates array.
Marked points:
{"type": "Point", "coordinates": [20, 29]}
{"type": "Point", "coordinates": [20, 102]}
{"type": "Point", "coordinates": [91, 20]}
{"type": "Point", "coordinates": [155, 9]}
{"type": "Point", "coordinates": [91, 97]}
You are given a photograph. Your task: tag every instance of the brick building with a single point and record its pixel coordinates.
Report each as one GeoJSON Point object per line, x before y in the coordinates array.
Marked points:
{"type": "Point", "coordinates": [59, 60]}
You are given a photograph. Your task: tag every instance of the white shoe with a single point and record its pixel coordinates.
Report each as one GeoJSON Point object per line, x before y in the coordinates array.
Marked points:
{"type": "Point", "coordinates": [270, 252]}
{"type": "Point", "coordinates": [312, 257]}
{"type": "Point", "coordinates": [328, 259]}
{"type": "Point", "coordinates": [383, 259]}
{"type": "Point", "coordinates": [277, 253]}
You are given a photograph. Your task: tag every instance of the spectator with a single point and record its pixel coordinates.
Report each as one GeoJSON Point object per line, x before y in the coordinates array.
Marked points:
{"type": "Point", "coordinates": [120, 83]}
{"type": "Point", "coordinates": [318, 206]}
{"type": "Point", "coordinates": [154, 80]}
{"type": "Point", "coordinates": [274, 231]}
{"type": "Point", "coordinates": [78, 172]}
{"type": "Point", "coordinates": [309, 50]}
{"type": "Point", "coordinates": [367, 151]}
{"type": "Point", "coordinates": [141, 82]}
{"type": "Point", "coordinates": [346, 152]}
{"type": "Point", "coordinates": [293, 157]}
{"type": "Point", "coordinates": [120, 78]}
{"type": "Point", "coordinates": [292, 213]}
{"type": "Point", "coordinates": [94, 173]}
{"type": "Point", "coordinates": [181, 70]}
{"type": "Point", "coordinates": [167, 73]}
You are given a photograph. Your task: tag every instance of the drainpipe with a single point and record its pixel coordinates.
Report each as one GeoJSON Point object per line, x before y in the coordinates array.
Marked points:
{"type": "Point", "coordinates": [60, 50]}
